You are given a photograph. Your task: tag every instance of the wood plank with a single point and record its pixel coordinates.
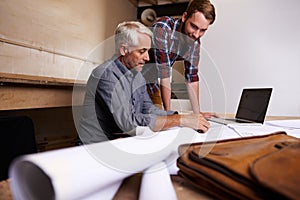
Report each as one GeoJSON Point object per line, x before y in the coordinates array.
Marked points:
{"type": "Point", "coordinates": [30, 96]}
{"type": "Point", "coordinates": [153, 2]}
{"type": "Point", "coordinates": [134, 2]}
{"type": "Point", "coordinates": [39, 80]}
{"type": "Point", "coordinates": [18, 91]}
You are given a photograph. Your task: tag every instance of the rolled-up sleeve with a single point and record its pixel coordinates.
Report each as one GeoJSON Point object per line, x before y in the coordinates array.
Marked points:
{"type": "Point", "coordinates": [160, 46]}
{"type": "Point", "coordinates": [191, 64]}
{"type": "Point", "coordinates": [155, 111]}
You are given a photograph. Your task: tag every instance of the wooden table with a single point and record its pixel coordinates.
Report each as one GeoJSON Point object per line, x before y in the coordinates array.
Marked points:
{"type": "Point", "coordinates": [129, 189]}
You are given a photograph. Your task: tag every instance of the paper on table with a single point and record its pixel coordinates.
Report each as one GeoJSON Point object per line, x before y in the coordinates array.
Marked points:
{"type": "Point", "coordinates": [156, 184]}
{"type": "Point", "coordinates": [292, 127]}
{"type": "Point", "coordinates": [215, 133]}
{"type": "Point", "coordinates": [245, 130]}
{"type": "Point", "coordinates": [84, 171]}
{"type": "Point", "coordinates": [289, 124]}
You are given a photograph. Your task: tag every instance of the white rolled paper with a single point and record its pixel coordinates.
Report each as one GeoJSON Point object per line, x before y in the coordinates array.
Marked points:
{"type": "Point", "coordinates": [91, 170]}
{"type": "Point", "coordinates": [156, 184]}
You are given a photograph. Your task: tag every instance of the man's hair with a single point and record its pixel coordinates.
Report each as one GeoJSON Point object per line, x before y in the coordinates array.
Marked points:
{"type": "Point", "coordinates": [203, 6]}
{"type": "Point", "coordinates": [127, 33]}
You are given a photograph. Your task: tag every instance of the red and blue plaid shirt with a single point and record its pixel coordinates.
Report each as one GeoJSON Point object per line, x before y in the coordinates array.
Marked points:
{"type": "Point", "coordinates": [169, 45]}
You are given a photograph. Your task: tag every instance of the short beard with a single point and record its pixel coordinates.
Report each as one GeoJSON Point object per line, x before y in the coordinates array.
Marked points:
{"type": "Point", "coordinates": [182, 28]}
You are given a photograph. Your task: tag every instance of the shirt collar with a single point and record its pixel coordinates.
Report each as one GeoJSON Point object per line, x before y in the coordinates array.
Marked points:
{"type": "Point", "coordinates": [122, 68]}
{"type": "Point", "coordinates": [176, 29]}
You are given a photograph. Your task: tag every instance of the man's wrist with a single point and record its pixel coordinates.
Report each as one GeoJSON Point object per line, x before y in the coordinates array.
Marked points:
{"type": "Point", "coordinates": [180, 120]}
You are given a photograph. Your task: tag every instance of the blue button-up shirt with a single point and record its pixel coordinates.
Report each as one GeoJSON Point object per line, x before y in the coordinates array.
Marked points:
{"type": "Point", "coordinates": [116, 102]}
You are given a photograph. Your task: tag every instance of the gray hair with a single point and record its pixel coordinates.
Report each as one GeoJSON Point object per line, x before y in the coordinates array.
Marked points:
{"type": "Point", "coordinates": [126, 33]}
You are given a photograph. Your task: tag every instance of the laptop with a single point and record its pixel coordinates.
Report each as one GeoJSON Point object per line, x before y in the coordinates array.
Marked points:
{"type": "Point", "coordinates": [252, 107]}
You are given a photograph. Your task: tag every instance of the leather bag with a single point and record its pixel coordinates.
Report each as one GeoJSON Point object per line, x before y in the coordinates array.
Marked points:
{"type": "Point", "coordinates": [259, 167]}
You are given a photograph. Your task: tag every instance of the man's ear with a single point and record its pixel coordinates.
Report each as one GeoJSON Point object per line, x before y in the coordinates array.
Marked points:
{"type": "Point", "coordinates": [184, 17]}
{"type": "Point", "coordinates": [123, 50]}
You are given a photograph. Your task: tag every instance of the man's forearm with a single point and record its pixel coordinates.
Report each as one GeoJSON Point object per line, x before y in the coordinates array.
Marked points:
{"type": "Point", "coordinates": [194, 121]}
{"type": "Point", "coordinates": [165, 87]}
{"type": "Point", "coordinates": [193, 92]}
{"type": "Point", "coordinates": [166, 122]}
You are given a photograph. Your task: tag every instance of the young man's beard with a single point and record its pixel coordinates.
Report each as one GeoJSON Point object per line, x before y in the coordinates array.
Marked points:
{"type": "Point", "coordinates": [182, 28]}
{"type": "Point", "coordinates": [186, 40]}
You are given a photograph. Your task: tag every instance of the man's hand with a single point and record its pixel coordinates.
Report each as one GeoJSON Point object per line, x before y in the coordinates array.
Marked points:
{"type": "Point", "coordinates": [209, 114]}
{"type": "Point", "coordinates": [195, 121]}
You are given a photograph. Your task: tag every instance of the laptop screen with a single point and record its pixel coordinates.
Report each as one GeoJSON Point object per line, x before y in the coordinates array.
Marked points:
{"type": "Point", "coordinates": [254, 104]}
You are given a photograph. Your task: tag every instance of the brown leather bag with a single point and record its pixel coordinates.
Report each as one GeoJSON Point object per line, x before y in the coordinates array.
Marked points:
{"type": "Point", "coordinates": [260, 167]}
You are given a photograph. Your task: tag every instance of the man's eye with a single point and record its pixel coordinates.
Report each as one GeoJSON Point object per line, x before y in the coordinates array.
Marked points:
{"type": "Point", "coordinates": [142, 51]}
{"type": "Point", "coordinates": [194, 26]}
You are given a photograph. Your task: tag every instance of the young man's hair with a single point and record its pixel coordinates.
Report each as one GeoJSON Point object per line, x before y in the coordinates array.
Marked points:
{"type": "Point", "coordinates": [203, 6]}
{"type": "Point", "coordinates": [127, 33]}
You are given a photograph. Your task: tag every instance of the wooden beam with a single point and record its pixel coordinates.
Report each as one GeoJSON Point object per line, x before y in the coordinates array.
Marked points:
{"type": "Point", "coordinates": [153, 2]}
{"type": "Point", "coordinates": [16, 97]}
{"type": "Point", "coordinates": [26, 92]}
{"type": "Point", "coordinates": [37, 80]}
{"type": "Point", "coordinates": [134, 2]}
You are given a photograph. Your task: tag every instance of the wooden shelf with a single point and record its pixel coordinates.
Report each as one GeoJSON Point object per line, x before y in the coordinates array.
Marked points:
{"type": "Point", "coordinates": [37, 80]}
{"type": "Point", "coordinates": [19, 91]}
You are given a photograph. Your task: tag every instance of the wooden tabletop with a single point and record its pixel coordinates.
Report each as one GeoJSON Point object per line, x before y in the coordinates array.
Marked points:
{"type": "Point", "coordinates": [129, 190]}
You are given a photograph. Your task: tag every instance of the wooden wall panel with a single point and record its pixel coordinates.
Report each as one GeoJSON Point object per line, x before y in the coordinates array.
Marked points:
{"type": "Point", "coordinates": [27, 92]}
{"type": "Point", "coordinates": [59, 33]}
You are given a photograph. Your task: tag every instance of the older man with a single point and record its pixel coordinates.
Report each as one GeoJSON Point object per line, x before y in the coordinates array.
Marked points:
{"type": "Point", "coordinates": [117, 101]}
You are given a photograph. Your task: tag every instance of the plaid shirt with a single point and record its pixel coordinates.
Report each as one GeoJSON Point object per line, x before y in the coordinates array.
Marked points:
{"type": "Point", "coordinates": [169, 45]}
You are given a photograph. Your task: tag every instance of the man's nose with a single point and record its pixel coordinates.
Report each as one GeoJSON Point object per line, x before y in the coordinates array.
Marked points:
{"type": "Point", "coordinates": [147, 56]}
{"type": "Point", "coordinates": [197, 34]}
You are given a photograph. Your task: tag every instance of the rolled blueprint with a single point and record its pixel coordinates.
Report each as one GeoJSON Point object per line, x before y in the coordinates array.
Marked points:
{"type": "Point", "coordinates": [94, 170]}
{"type": "Point", "coordinates": [156, 184]}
